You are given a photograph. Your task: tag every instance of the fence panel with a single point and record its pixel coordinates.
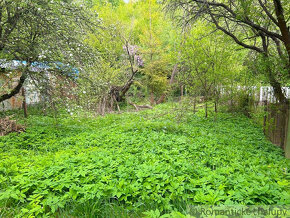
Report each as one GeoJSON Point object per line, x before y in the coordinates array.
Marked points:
{"type": "Point", "coordinates": [276, 123]}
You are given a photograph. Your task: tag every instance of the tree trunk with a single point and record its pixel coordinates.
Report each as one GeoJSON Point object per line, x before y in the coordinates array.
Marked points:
{"type": "Point", "coordinates": [206, 109]}
{"type": "Point", "coordinates": [24, 105]}
{"type": "Point", "coordinates": [283, 26]}
{"type": "Point", "coordinates": [16, 89]}
{"type": "Point", "coordinates": [276, 87]}
{"type": "Point", "coordinates": [161, 99]}
{"type": "Point", "coordinates": [278, 91]}
{"type": "Point", "coordinates": [119, 92]}
{"type": "Point", "coordinates": [205, 105]}
{"type": "Point", "coordinates": [126, 88]}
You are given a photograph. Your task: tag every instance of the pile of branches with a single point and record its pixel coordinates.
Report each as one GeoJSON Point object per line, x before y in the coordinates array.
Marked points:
{"type": "Point", "coordinates": [8, 126]}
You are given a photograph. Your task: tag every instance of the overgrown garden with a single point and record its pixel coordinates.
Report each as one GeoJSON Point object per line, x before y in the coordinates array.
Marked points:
{"type": "Point", "coordinates": [145, 108]}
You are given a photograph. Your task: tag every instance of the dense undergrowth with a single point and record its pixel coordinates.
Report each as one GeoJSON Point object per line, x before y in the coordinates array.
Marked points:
{"type": "Point", "coordinates": [135, 162]}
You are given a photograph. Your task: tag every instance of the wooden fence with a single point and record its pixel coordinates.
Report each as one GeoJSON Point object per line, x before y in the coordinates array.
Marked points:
{"type": "Point", "coordinates": [276, 122]}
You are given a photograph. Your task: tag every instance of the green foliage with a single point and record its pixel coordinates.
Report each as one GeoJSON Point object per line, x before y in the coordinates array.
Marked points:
{"type": "Point", "coordinates": [143, 28]}
{"type": "Point", "coordinates": [157, 39]}
{"type": "Point", "coordinates": [158, 161]}
{"type": "Point", "coordinates": [45, 31]}
{"type": "Point", "coordinates": [251, 25]}
{"type": "Point", "coordinates": [156, 75]}
{"type": "Point", "coordinates": [138, 160]}
{"type": "Point", "coordinates": [208, 61]}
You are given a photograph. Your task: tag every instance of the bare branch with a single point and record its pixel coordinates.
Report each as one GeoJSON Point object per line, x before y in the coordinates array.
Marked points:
{"type": "Point", "coordinates": [268, 13]}
{"type": "Point", "coordinates": [234, 37]}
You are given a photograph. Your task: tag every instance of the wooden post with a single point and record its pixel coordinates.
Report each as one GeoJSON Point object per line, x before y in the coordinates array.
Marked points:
{"type": "Point", "coordinates": [215, 107]}
{"type": "Point", "coordinates": [181, 91]}
{"type": "Point", "coordinates": [24, 105]}
{"type": "Point", "coordinates": [206, 109]}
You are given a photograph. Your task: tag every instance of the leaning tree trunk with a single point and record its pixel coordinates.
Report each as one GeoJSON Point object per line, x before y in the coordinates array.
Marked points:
{"type": "Point", "coordinates": [16, 89]}
{"type": "Point", "coordinates": [119, 92]}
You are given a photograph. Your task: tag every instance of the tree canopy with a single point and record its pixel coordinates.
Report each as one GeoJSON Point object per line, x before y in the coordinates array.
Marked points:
{"type": "Point", "coordinates": [260, 26]}
{"type": "Point", "coordinates": [44, 31]}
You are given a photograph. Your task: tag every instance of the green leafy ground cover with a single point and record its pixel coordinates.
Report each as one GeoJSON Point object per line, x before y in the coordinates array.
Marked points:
{"type": "Point", "coordinates": [138, 161]}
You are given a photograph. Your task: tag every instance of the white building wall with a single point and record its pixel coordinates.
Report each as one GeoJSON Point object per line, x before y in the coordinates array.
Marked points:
{"type": "Point", "coordinates": [267, 93]}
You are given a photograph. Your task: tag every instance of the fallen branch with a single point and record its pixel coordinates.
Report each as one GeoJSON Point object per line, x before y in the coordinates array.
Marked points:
{"type": "Point", "coordinates": [138, 107]}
